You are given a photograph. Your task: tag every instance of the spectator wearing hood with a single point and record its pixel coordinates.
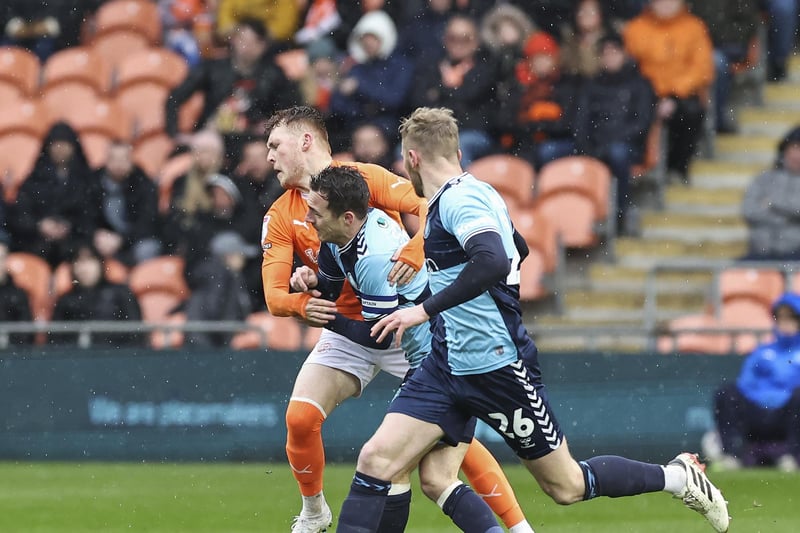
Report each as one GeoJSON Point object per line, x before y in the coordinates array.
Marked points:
{"type": "Point", "coordinates": [51, 215]}
{"type": "Point", "coordinates": [762, 407]}
{"type": "Point", "coordinates": [546, 103]}
{"type": "Point", "coordinates": [127, 201]}
{"type": "Point", "coordinates": [376, 87]}
{"type": "Point", "coordinates": [771, 206]}
{"type": "Point", "coordinates": [674, 52]}
{"type": "Point", "coordinates": [613, 116]}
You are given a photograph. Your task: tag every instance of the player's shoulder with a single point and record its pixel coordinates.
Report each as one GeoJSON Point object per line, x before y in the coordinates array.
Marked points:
{"type": "Point", "coordinates": [288, 205]}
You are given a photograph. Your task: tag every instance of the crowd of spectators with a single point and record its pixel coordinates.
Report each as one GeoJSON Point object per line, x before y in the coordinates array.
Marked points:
{"type": "Point", "coordinates": [540, 79]}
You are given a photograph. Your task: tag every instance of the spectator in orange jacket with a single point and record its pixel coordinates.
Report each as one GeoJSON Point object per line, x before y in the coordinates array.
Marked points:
{"type": "Point", "coordinates": [674, 52]}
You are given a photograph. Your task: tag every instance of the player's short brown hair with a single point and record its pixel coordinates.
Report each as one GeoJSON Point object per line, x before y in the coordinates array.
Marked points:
{"type": "Point", "coordinates": [300, 115]}
{"type": "Point", "coordinates": [431, 131]}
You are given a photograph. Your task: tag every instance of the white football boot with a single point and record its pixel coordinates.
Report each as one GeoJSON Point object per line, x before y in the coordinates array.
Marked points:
{"type": "Point", "coordinates": [700, 494]}
{"type": "Point", "coordinates": [317, 523]}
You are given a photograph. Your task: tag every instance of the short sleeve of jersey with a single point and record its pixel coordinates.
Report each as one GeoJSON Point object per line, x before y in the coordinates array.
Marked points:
{"type": "Point", "coordinates": [378, 297]}
{"type": "Point", "coordinates": [464, 212]}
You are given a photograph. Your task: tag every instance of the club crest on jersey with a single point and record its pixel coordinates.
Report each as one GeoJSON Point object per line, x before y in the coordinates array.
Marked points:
{"type": "Point", "coordinates": [311, 254]}
{"type": "Point", "coordinates": [382, 223]}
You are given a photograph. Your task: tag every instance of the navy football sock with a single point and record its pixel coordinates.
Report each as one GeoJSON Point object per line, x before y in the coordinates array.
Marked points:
{"type": "Point", "coordinates": [363, 507]}
{"type": "Point", "coordinates": [614, 476]}
{"type": "Point", "coordinates": [395, 513]}
{"type": "Point", "coordinates": [469, 512]}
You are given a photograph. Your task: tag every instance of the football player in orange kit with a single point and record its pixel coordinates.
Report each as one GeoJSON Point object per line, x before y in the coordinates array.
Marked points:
{"type": "Point", "coordinates": [339, 368]}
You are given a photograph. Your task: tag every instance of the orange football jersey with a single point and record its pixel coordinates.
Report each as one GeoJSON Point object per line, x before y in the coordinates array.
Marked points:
{"type": "Point", "coordinates": [285, 233]}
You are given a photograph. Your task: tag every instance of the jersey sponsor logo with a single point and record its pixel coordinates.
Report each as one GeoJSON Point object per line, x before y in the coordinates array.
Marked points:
{"type": "Point", "coordinates": [472, 225]}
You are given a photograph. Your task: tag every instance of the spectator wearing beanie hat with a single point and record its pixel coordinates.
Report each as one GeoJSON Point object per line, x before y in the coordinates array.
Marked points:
{"type": "Point", "coordinates": [546, 101]}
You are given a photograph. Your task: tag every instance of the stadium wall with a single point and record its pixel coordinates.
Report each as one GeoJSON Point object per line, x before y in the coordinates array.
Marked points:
{"type": "Point", "coordinates": [228, 405]}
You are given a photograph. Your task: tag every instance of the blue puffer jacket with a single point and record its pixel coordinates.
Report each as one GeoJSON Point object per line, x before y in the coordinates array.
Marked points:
{"type": "Point", "coordinates": [771, 373]}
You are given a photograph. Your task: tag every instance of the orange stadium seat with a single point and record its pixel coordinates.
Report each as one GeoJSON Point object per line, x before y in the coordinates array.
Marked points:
{"type": "Point", "coordinates": [574, 214]}
{"type": "Point", "coordinates": [79, 66]}
{"type": "Point", "coordinates": [152, 151]}
{"type": "Point", "coordinates": [19, 72]}
{"type": "Point", "coordinates": [578, 173]}
{"type": "Point", "coordinates": [189, 113]}
{"type": "Point", "coordinates": [32, 274]}
{"type": "Point", "coordinates": [171, 170]}
{"type": "Point", "coordinates": [166, 339]}
{"type": "Point", "coordinates": [159, 274]}
{"type": "Point", "coordinates": [688, 340]}
{"type": "Point", "coordinates": [154, 65]}
{"type": "Point", "coordinates": [157, 305]}
{"type": "Point", "coordinates": [23, 124]}
{"type": "Point", "coordinates": [139, 16]}
{"type": "Point", "coordinates": [540, 235]}
{"type": "Point", "coordinates": [144, 103]}
{"type": "Point", "coordinates": [98, 122]}
{"type": "Point", "coordinates": [760, 285]}
{"type": "Point", "coordinates": [511, 176]}
{"type": "Point", "coordinates": [116, 45]}
{"type": "Point", "coordinates": [281, 333]}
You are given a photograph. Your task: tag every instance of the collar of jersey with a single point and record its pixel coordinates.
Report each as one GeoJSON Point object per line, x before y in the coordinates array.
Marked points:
{"type": "Point", "coordinates": [445, 186]}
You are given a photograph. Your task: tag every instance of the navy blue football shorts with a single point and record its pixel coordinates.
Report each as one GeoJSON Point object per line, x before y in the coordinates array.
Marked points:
{"type": "Point", "coordinates": [507, 399]}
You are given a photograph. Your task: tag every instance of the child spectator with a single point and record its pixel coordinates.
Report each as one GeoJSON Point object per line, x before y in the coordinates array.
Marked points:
{"type": "Point", "coordinates": [613, 116]}
{"type": "Point", "coordinates": [674, 53]}
{"type": "Point", "coordinates": [92, 297]}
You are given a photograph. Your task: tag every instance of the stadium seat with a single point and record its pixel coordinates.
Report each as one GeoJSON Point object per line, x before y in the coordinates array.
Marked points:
{"type": "Point", "coordinates": [745, 313]}
{"type": "Point", "coordinates": [511, 176]}
{"type": "Point", "coordinates": [77, 66]}
{"type": "Point", "coordinates": [116, 45]}
{"type": "Point", "coordinates": [153, 65]}
{"type": "Point", "coordinates": [138, 16]}
{"type": "Point", "coordinates": [583, 174]}
{"type": "Point", "coordinates": [686, 338]}
{"type": "Point", "coordinates": [32, 274]}
{"type": "Point", "coordinates": [574, 215]}
{"type": "Point", "coordinates": [540, 235]}
{"type": "Point", "coordinates": [23, 124]}
{"type": "Point", "coordinates": [281, 333]}
{"type": "Point", "coordinates": [166, 339]}
{"type": "Point", "coordinates": [98, 123]}
{"type": "Point", "coordinates": [144, 103]}
{"type": "Point", "coordinates": [294, 63]}
{"type": "Point", "coordinates": [760, 285]}
{"type": "Point", "coordinates": [189, 113]}
{"type": "Point", "coordinates": [171, 170]}
{"type": "Point", "coordinates": [157, 305]}
{"type": "Point", "coordinates": [19, 72]}
{"type": "Point", "coordinates": [159, 274]}
{"type": "Point", "coordinates": [150, 152]}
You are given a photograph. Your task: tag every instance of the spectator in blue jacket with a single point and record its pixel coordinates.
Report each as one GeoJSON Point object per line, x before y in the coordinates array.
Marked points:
{"type": "Point", "coordinates": [758, 416]}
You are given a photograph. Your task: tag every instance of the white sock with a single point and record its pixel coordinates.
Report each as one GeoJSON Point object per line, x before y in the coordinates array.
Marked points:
{"type": "Point", "coordinates": [522, 527]}
{"type": "Point", "coordinates": [674, 478]}
{"type": "Point", "coordinates": [313, 504]}
{"type": "Point", "coordinates": [399, 488]}
{"type": "Point", "coordinates": [447, 492]}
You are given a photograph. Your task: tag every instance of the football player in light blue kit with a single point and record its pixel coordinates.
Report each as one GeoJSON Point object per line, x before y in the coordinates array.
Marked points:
{"type": "Point", "coordinates": [482, 361]}
{"type": "Point", "coordinates": [358, 244]}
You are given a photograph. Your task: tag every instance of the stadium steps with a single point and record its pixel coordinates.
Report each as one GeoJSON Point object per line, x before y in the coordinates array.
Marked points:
{"type": "Point", "coordinates": [698, 222]}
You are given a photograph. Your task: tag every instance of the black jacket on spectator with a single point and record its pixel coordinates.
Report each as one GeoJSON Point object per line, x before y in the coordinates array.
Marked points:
{"type": "Point", "coordinates": [614, 107]}
{"type": "Point", "coordinates": [105, 301]}
{"type": "Point", "coordinates": [44, 194]}
{"type": "Point", "coordinates": [70, 15]}
{"type": "Point", "coordinates": [14, 307]}
{"type": "Point", "coordinates": [473, 102]}
{"type": "Point", "coordinates": [731, 23]}
{"type": "Point", "coordinates": [216, 79]}
{"type": "Point", "coordinates": [141, 206]}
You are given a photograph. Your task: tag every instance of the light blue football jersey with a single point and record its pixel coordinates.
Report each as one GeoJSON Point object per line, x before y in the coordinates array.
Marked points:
{"type": "Point", "coordinates": [366, 262]}
{"type": "Point", "coordinates": [485, 333]}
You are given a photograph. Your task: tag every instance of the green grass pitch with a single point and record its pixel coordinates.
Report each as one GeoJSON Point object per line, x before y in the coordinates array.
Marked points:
{"type": "Point", "coordinates": [221, 497]}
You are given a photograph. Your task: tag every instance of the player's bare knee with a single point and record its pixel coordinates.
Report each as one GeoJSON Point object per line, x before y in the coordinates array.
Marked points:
{"type": "Point", "coordinates": [373, 460]}
{"type": "Point", "coordinates": [433, 485]}
{"type": "Point", "coordinates": [564, 492]}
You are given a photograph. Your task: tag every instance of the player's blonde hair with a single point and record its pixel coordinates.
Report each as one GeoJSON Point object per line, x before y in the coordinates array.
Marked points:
{"type": "Point", "coordinates": [432, 131]}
